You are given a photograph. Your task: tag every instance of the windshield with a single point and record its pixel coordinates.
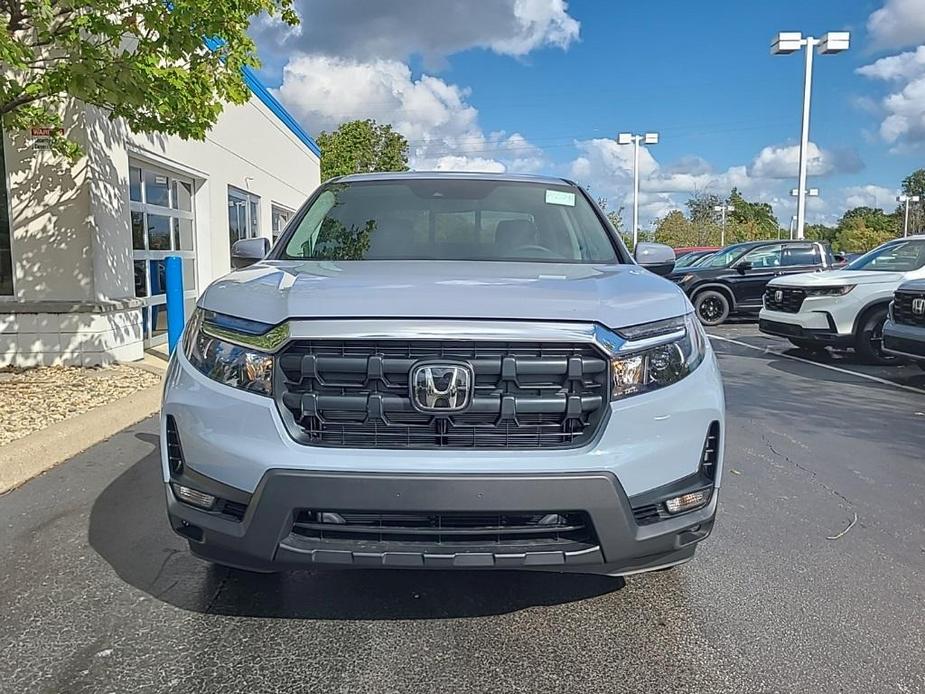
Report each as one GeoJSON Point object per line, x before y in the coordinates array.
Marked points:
{"type": "Point", "coordinates": [450, 219]}
{"type": "Point", "coordinates": [724, 257]}
{"type": "Point", "coordinates": [691, 259]}
{"type": "Point", "coordinates": [702, 260]}
{"type": "Point", "coordinates": [902, 256]}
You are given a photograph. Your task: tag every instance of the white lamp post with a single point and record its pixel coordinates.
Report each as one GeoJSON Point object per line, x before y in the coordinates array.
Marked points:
{"type": "Point", "coordinates": [787, 42]}
{"type": "Point", "coordinates": [723, 209]}
{"type": "Point", "coordinates": [906, 199]}
{"type": "Point", "coordinates": [631, 139]}
{"type": "Point", "coordinates": [796, 231]}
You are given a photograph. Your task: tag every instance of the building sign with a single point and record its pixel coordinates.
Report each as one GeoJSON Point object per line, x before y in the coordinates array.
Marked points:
{"type": "Point", "coordinates": [41, 138]}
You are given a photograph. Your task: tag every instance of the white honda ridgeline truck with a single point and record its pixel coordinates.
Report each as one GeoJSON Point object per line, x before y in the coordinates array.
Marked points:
{"type": "Point", "coordinates": [444, 371]}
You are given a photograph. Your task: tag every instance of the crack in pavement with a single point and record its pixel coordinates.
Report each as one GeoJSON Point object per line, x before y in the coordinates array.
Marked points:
{"type": "Point", "coordinates": [812, 473]}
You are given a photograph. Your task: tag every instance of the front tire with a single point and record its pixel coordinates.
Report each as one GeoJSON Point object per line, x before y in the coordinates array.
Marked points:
{"type": "Point", "coordinates": [712, 307]}
{"type": "Point", "coordinates": [869, 341]}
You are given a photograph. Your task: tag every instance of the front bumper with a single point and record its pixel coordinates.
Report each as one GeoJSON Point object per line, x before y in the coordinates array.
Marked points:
{"type": "Point", "coordinates": [265, 539]}
{"type": "Point", "coordinates": [813, 327]}
{"type": "Point", "coordinates": [904, 340]}
{"type": "Point", "coordinates": [235, 446]}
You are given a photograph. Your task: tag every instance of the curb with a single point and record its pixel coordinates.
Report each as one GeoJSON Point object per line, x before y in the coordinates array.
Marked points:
{"type": "Point", "coordinates": [42, 450]}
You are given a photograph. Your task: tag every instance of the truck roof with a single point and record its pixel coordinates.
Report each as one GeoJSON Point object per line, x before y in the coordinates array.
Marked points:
{"type": "Point", "coordinates": [461, 175]}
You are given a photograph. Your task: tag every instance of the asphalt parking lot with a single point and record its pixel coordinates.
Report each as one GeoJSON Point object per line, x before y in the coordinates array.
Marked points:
{"type": "Point", "coordinates": [99, 596]}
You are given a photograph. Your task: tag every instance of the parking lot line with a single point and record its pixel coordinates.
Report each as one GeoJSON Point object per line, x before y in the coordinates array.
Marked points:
{"type": "Point", "coordinates": [839, 369]}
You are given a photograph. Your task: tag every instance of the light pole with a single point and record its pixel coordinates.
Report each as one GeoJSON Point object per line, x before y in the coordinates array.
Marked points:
{"type": "Point", "coordinates": [793, 221]}
{"type": "Point", "coordinates": [723, 209]}
{"type": "Point", "coordinates": [631, 139]}
{"type": "Point", "coordinates": [907, 199]}
{"type": "Point", "coordinates": [795, 193]}
{"type": "Point", "coordinates": [787, 42]}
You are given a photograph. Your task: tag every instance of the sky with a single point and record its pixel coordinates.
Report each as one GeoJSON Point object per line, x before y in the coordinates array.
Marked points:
{"type": "Point", "coordinates": [544, 86]}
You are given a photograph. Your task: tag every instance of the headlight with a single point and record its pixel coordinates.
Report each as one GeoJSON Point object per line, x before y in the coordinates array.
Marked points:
{"type": "Point", "coordinates": [684, 279]}
{"type": "Point", "coordinates": [656, 355]}
{"type": "Point", "coordinates": [829, 291]}
{"type": "Point", "coordinates": [233, 351]}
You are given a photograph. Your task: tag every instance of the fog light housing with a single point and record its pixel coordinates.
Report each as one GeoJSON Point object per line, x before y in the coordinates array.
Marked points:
{"type": "Point", "coordinates": [194, 497]}
{"type": "Point", "coordinates": [688, 502]}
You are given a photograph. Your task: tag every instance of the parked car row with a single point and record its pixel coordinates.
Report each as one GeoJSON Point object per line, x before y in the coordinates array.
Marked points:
{"type": "Point", "coordinates": [875, 304]}
{"type": "Point", "coordinates": [732, 280]}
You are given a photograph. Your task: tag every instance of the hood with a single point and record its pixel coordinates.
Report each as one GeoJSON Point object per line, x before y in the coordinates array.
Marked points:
{"type": "Point", "coordinates": [838, 277]}
{"type": "Point", "coordinates": [612, 295]}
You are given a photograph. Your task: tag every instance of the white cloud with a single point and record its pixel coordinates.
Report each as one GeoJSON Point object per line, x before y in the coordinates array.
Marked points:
{"type": "Point", "coordinates": [784, 161]}
{"type": "Point", "coordinates": [366, 30]}
{"type": "Point", "coordinates": [869, 196]}
{"type": "Point", "coordinates": [435, 116]}
{"type": "Point", "coordinates": [898, 23]}
{"type": "Point", "coordinates": [902, 110]}
{"type": "Point", "coordinates": [606, 169]}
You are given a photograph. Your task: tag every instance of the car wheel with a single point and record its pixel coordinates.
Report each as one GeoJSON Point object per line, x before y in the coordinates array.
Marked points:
{"type": "Point", "coordinates": [712, 307]}
{"type": "Point", "coordinates": [807, 345]}
{"type": "Point", "coordinates": [869, 341]}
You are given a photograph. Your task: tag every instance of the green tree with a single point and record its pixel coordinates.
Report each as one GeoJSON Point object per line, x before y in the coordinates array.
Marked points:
{"type": "Point", "coordinates": [144, 61]}
{"type": "Point", "coordinates": [820, 232]}
{"type": "Point", "coordinates": [701, 206]}
{"type": "Point", "coordinates": [755, 217]}
{"type": "Point", "coordinates": [362, 146]}
{"type": "Point", "coordinates": [859, 234]}
{"type": "Point", "coordinates": [675, 230]}
{"type": "Point", "coordinates": [874, 219]}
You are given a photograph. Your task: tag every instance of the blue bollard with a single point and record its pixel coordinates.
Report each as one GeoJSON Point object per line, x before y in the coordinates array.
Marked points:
{"type": "Point", "coordinates": [175, 319]}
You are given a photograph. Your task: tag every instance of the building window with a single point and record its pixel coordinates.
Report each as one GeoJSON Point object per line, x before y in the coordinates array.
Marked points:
{"type": "Point", "coordinates": [243, 215]}
{"type": "Point", "coordinates": [280, 218]}
{"type": "Point", "coordinates": [6, 253]}
{"type": "Point", "coordinates": [163, 224]}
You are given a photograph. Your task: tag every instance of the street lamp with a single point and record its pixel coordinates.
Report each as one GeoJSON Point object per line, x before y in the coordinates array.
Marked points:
{"type": "Point", "coordinates": [795, 193]}
{"type": "Point", "coordinates": [785, 43]}
{"type": "Point", "coordinates": [907, 199]}
{"type": "Point", "coordinates": [723, 209]}
{"type": "Point", "coordinates": [793, 221]}
{"type": "Point", "coordinates": [631, 139]}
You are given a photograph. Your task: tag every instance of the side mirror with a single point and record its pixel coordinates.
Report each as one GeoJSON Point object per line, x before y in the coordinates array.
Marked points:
{"type": "Point", "coordinates": [655, 257]}
{"type": "Point", "coordinates": [743, 267]}
{"type": "Point", "coordinates": [248, 251]}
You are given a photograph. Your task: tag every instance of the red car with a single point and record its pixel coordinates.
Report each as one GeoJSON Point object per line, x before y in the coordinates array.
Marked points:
{"type": "Point", "coordinates": [684, 250]}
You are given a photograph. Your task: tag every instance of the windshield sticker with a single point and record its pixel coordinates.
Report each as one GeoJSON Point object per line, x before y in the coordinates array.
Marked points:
{"type": "Point", "coordinates": [559, 197]}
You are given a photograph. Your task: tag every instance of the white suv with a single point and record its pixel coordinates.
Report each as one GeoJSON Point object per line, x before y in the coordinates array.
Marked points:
{"type": "Point", "coordinates": [843, 308]}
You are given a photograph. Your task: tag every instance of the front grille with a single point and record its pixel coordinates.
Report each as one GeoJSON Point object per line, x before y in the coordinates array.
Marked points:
{"type": "Point", "coordinates": [902, 309]}
{"type": "Point", "coordinates": [524, 395]}
{"type": "Point", "coordinates": [791, 299]}
{"type": "Point", "coordinates": [452, 529]}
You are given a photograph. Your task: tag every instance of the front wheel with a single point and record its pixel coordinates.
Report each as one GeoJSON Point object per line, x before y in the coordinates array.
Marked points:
{"type": "Point", "coordinates": [712, 307]}
{"type": "Point", "coordinates": [869, 341]}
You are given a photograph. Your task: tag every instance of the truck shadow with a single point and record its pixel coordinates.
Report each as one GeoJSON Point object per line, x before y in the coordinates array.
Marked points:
{"type": "Point", "coordinates": [129, 530]}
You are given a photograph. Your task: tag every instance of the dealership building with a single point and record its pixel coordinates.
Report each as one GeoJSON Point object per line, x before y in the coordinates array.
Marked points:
{"type": "Point", "coordinates": [83, 245]}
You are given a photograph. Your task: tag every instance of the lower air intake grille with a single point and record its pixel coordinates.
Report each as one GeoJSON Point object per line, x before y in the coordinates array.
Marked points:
{"type": "Point", "coordinates": [450, 529]}
{"type": "Point", "coordinates": [710, 457]}
{"type": "Point", "coordinates": [174, 450]}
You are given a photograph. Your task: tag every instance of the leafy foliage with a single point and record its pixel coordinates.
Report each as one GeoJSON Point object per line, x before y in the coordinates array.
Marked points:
{"type": "Point", "coordinates": [914, 184]}
{"type": "Point", "coordinates": [362, 146]}
{"type": "Point", "coordinates": [144, 61]}
{"type": "Point", "coordinates": [863, 228]}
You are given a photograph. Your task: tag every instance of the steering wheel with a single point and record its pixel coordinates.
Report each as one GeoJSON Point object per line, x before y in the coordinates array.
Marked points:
{"type": "Point", "coordinates": [533, 247]}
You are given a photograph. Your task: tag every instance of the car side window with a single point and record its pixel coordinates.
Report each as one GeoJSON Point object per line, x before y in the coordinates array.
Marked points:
{"type": "Point", "coordinates": [764, 256]}
{"type": "Point", "coordinates": [799, 254]}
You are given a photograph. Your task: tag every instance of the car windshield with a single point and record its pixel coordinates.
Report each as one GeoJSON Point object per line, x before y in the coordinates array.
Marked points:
{"type": "Point", "coordinates": [702, 260]}
{"type": "Point", "coordinates": [691, 259]}
{"type": "Point", "coordinates": [902, 256]}
{"type": "Point", "coordinates": [450, 219]}
{"type": "Point", "coordinates": [724, 257]}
